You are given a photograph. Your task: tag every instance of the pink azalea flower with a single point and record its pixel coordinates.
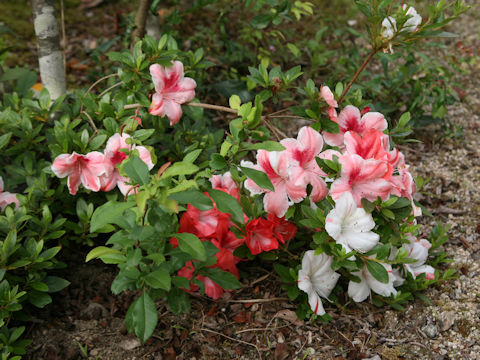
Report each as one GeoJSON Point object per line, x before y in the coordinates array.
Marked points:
{"type": "Point", "coordinates": [328, 96]}
{"type": "Point", "coordinates": [373, 144]}
{"type": "Point", "coordinates": [276, 165]}
{"type": "Point", "coordinates": [303, 150]}
{"type": "Point", "coordinates": [226, 184]}
{"type": "Point", "coordinates": [171, 90]}
{"type": "Point", "coordinates": [363, 178]}
{"type": "Point", "coordinates": [7, 198]}
{"type": "Point", "coordinates": [350, 119]}
{"type": "Point", "coordinates": [114, 156]}
{"type": "Point", "coordinates": [84, 169]}
{"type": "Point", "coordinates": [317, 279]}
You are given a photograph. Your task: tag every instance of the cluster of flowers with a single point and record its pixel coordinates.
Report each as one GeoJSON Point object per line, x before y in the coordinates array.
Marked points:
{"type": "Point", "coordinates": [214, 226]}
{"type": "Point", "coordinates": [97, 171]}
{"type": "Point", "coordinates": [369, 169]}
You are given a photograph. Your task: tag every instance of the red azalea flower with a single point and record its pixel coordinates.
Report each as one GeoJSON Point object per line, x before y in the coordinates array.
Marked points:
{"type": "Point", "coordinates": [260, 236]}
{"type": "Point", "coordinates": [283, 230]}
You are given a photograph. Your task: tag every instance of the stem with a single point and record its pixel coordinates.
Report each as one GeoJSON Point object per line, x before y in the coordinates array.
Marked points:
{"type": "Point", "coordinates": [357, 74]}
{"type": "Point", "coordinates": [140, 19]}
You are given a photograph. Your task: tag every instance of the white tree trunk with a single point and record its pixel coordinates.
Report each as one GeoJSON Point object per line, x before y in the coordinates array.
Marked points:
{"type": "Point", "coordinates": [50, 58]}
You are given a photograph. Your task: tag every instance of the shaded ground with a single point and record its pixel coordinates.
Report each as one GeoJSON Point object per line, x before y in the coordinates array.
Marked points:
{"type": "Point", "coordinates": [257, 321]}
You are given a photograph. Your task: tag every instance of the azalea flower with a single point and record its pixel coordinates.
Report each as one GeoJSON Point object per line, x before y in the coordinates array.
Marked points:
{"type": "Point", "coordinates": [260, 236]}
{"type": "Point", "coordinates": [226, 184]}
{"type": "Point", "coordinates": [328, 96]}
{"type": "Point", "coordinates": [351, 226]}
{"type": "Point", "coordinates": [303, 150]}
{"type": "Point", "coordinates": [212, 289]}
{"type": "Point", "coordinates": [363, 178]}
{"type": "Point", "coordinates": [7, 198]}
{"type": "Point", "coordinates": [276, 164]}
{"type": "Point", "coordinates": [373, 144]}
{"type": "Point", "coordinates": [414, 19]}
{"type": "Point", "coordinates": [114, 156]}
{"type": "Point", "coordinates": [282, 230]}
{"type": "Point", "coordinates": [418, 250]}
{"type": "Point", "coordinates": [360, 291]}
{"type": "Point", "coordinates": [350, 119]}
{"type": "Point", "coordinates": [84, 169]}
{"type": "Point", "coordinates": [389, 27]}
{"type": "Point", "coordinates": [317, 279]}
{"type": "Point", "coordinates": [171, 90]}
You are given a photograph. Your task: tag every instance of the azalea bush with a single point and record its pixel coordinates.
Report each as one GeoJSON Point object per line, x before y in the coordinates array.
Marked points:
{"type": "Point", "coordinates": [179, 200]}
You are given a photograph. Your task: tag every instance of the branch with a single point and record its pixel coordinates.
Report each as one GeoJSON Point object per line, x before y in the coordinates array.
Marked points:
{"type": "Point", "coordinates": [359, 71]}
{"type": "Point", "coordinates": [140, 19]}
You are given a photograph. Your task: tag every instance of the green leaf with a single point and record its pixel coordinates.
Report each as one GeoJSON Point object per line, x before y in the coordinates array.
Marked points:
{"type": "Point", "coordinates": [225, 279]}
{"type": "Point", "coordinates": [178, 301]}
{"type": "Point", "coordinates": [283, 272]}
{"type": "Point", "coordinates": [142, 317]}
{"type": "Point", "coordinates": [55, 283]}
{"type": "Point", "coordinates": [40, 286]}
{"type": "Point", "coordinates": [228, 204]}
{"type": "Point", "coordinates": [108, 213]}
{"type": "Point", "coordinates": [266, 145]}
{"type": "Point", "coordinates": [180, 168]}
{"type": "Point", "coordinates": [4, 139]}
{"type": "Point", "coordinates": [218, 162]}
{"type": "Point", "coordinates": [136, 170]}
{"type": "Point", "coordinates": [199, 200]}
{"type": "Point", "coordinates": [100, 251]}
{"type": "Point", "coordinates": [159, 279]}
{"type": "Point", "coordinates": [259, 177]}
{"type": "Point", "coordinates": [192, 245]}
{"type": "Point", "coordinates": [378, 271]}
{"type": "Point", "coordinates": [39, 299]}
{"type": "Point", "coordinates": [192, 156]}
{"type": "Point", "coordinates": [235, 102]}
{"type": "Point", "coordinates": [261, 21]}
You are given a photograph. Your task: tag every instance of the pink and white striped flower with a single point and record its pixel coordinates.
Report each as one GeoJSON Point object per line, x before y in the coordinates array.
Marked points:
{"type": "Point", "coordinates": [363, 178]}
{"type": "Point", "coordinates": [171, 90]}
{"type": "Point", "coordinates": [328, 96]}
{"type": "Point", "coordinates": [350, 119]}
{"type": "Point", "coordinates": [303, 150]}
{"type": "Point", "coordinates": [276, 165]}
{"type": "Point", "coordinates": [84, 169]}
{"type": "Point", "coordinates": [114, 156]}
{"type": "Point", "coordinates": [317, 279]}
{"type": "Point", "coordinates": [7, 198]}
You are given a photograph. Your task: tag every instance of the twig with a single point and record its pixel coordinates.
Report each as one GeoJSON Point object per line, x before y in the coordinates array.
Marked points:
{"type": "Point", "coordinates": [213, 107]}
{"type": "Point", "coordinates": [260, 329]}
{"type": "Point", "coordinates": [447, 210]}
{"type": "Point", "coordinates": [359, 71]}
{"type": "Point", "coordinates": [140, 19]}
{"type": "Point", "coordinates": [247, 301]}
{"type": "Point", "coordinates": [233, 339]}
{"type": "Point", "coordinates": [260, 279]}
{"type": "Point", "coordinates": [108, 89]}
{"type": "Point", "coordinates": [90, 120]}
{"type": "Point", "coordinates": [99, 81]}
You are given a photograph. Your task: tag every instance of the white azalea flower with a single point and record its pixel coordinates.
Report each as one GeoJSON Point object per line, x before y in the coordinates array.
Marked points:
{"type": "Point", "coordinates": [317, 279]}
{"type": "Point", "coordinates": [389, 27]}
{"type": "Point", "coordinates": [360, 291]}
{"type": "Point", "coordinates": [418, 250]}
{"type": "Point", "coordinates": [414, 19]}
{"type": "Point", "coordinates": [351, 226]}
